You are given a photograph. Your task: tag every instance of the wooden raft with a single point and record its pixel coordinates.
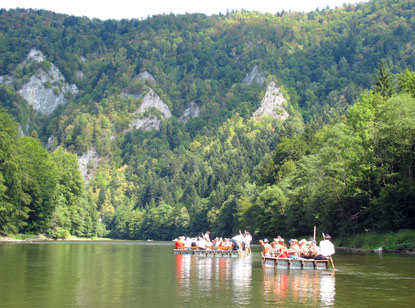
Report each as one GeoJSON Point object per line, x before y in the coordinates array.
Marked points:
{"type": "Point", "coordinates": [288, 263]}
{"type": "Point", "coordinates": [210, 252]}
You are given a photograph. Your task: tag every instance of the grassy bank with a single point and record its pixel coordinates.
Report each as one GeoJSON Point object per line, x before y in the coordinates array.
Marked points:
{"type": "Point", "coordinates": [403, 240]}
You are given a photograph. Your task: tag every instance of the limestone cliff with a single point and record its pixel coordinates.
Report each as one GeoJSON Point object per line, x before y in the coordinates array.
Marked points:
{"type": "Point", "coordinates": [88, 162]}
{"type": "Point", "coordinates": [46, 88]}
{"type": "Point", "coordinates": [273, 104]}
{"type": "Point", "coordinates": [150, 113]}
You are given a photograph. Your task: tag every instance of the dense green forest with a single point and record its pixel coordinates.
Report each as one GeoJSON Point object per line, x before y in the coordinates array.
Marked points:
{"type": "Point", "coordinates": [343, 160]}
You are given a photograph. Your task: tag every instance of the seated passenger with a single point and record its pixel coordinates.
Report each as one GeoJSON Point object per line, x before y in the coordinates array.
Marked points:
{"type": "Point", "coordinates": [283, 253]}
{"type": "Point", "coordinates": [294, 246]}
{"type": "Point", "coordinates": [179, 243]}
{"type": "Point", "coordinates": [266, 248]}
{"type": "Point", "coordinates": [201, 243]}
{"type": "Point", "coordinates": [193, 245]}
{"type": "Point", "coordinates": [305, 251]}
{"type": "Point", "coordinates": [187, 243]}
{"type": "Point", "coordinates": [314, 250]}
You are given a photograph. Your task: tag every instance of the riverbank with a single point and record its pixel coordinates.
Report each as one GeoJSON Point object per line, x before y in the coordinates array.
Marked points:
{"type": "Point", "coordinates": [42, 238]}
{"type": "Point", "coordinates": [402, 241]}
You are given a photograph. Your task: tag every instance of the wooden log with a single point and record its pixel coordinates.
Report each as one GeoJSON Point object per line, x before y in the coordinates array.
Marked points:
{"type": "Point", "coordinates": [295, 264]}
{"type": "Point", "coordinates": [270, 262]}
{"type": "Point", "coordinates": [283, 263]}
{"type": "Point", "coordinates": [321, 264]}
{"type": "Point", "coordinates": [308, 264]}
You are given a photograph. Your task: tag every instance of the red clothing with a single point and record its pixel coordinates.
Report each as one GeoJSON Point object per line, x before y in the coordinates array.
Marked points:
{"type": "Point", "coordinates": [179, 244]}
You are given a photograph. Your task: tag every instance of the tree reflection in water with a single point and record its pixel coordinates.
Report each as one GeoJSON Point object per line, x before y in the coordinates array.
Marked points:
{"type": "Point", "coordinates": [311, 288]}
{"type": "Point", "coordinates": [214, 276]}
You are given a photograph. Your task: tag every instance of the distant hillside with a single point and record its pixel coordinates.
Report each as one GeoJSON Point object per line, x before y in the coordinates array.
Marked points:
{"type": "Point", "coordinates": [172, 117]}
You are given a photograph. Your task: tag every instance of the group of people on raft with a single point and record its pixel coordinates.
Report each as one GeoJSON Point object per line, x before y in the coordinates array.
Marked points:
{"type": "Point", "coordinates": [242, 241]}
{"type": "Point", "coordinates": [302, 249]}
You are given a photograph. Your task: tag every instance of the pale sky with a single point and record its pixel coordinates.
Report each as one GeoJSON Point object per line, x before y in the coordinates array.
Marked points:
{"type": "Point", "coordinates": [119, 9]}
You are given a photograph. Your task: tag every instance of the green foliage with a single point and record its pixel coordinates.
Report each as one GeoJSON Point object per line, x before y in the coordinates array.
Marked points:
{"type": "Point", "coordinates": [40, 180]}
{"type": "Point", "coordinates": [383, 84]}
{"type": "Point", "coordinates": [39, 192]}
{"type": "Point", "coordinates": [356, 174]}
{"type": "Point", "coordinates": [393, 241]}
{"type": "Point", "coordinates": [14, 200]}
{"type": "Point", "coordinates": [406, 82]}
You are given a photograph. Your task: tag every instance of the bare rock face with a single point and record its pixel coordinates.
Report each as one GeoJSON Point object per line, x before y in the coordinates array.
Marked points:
{"type": "Point", "coordinates": [146, 75]}
{"type": "Point", "coordinates": [88, 162]}
{"type": "Point", "coordinates": [191, 112]}
{"type": "Point", "coordinates": [45, 90]}
{"type": "Point", "coordinates": [254, 76]}
{"type": "Point", "coordinates": [150, 113]}
{"type": "Point", "coordinates": [273, 104]}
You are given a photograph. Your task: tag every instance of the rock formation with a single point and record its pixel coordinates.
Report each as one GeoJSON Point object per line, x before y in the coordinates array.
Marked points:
{"type": "Point", "coordinates": [254, 76]}
{"type": "Point", "coordinates": [150, 113]}
{"type": "Point", "coordinates": [46, 89]}
{"type": "Point", "coordinates": [190, 112]}
{"type": "Point", "coordinates": [88, 162]}
{"type": "Point", "coordinates": [273, 104]}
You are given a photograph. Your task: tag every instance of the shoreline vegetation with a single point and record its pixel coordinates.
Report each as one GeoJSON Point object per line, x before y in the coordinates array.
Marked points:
{"type": "Point", "coordinates": [402, 241]}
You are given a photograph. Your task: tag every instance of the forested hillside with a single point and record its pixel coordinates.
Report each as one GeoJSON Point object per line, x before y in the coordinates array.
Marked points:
{"type": "Point", "coordinates": [342, 160]}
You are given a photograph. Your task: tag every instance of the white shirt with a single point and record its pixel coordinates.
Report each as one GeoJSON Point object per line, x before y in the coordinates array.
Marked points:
{"type": "Point", "coordinates": [238, 238]}
{"type": "Point", "coordinates": [327, 248]}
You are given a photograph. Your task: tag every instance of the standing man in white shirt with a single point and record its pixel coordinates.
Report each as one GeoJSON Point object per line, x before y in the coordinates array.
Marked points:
{"type": "Point", "coordinates": [327, 247]}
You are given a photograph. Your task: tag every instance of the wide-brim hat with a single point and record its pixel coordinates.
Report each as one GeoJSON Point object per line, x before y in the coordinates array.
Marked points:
{"type": "Point", "coordinates": [327, 236]}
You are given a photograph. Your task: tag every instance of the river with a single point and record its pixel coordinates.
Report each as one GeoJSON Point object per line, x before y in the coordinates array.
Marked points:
{"type": "Point", "coordinates": [147, 274]}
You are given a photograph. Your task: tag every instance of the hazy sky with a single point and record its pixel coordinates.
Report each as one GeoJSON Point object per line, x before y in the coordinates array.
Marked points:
{"type": "Point", "coordinates": [119, 9]}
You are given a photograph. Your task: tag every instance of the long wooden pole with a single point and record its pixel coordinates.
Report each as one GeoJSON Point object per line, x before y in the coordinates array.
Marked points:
{"type": "Point", "coordinates": [332, 263]}
{"type": "Point", "coordinates": [315, 230]}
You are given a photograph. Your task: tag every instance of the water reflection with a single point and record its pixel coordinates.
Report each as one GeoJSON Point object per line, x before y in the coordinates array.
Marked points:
{"type": "Point", "coordinates": [310, 288]}
{"type": "Point", "coordinates": [231, 277]}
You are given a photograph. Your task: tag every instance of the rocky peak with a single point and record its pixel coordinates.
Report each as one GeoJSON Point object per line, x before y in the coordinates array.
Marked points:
{"type": "Point", "coordinates": [34, 55]}
{"type": "Point", "coordinates": [273, 104]}
{"type": "Point", "coordinates": [146, 76]}
{"type": "Point", "coordinates": [150, 113]}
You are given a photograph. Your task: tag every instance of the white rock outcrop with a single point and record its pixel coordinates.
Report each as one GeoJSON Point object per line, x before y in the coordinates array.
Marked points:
{"type": "Point", "coordinates": [146, 76]}
{"type": "Point", "coordinates": [254, 76]}
{"type": "Point", "coordinates": [34, 55]}
{"type": "Point", "coordinates": [88, 162]}
{"type": "Point", "coordinates": [192, 111]}
{"type": "Point", "coordinates": [45, 90]}
{"type": "Point", "coordinates": [273, 104]}
{"type": "Point", "coordinates": [145, 119]}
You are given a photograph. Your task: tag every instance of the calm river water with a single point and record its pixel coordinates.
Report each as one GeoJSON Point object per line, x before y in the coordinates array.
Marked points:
{"type": "Point", "coordinates": [147, 274]}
